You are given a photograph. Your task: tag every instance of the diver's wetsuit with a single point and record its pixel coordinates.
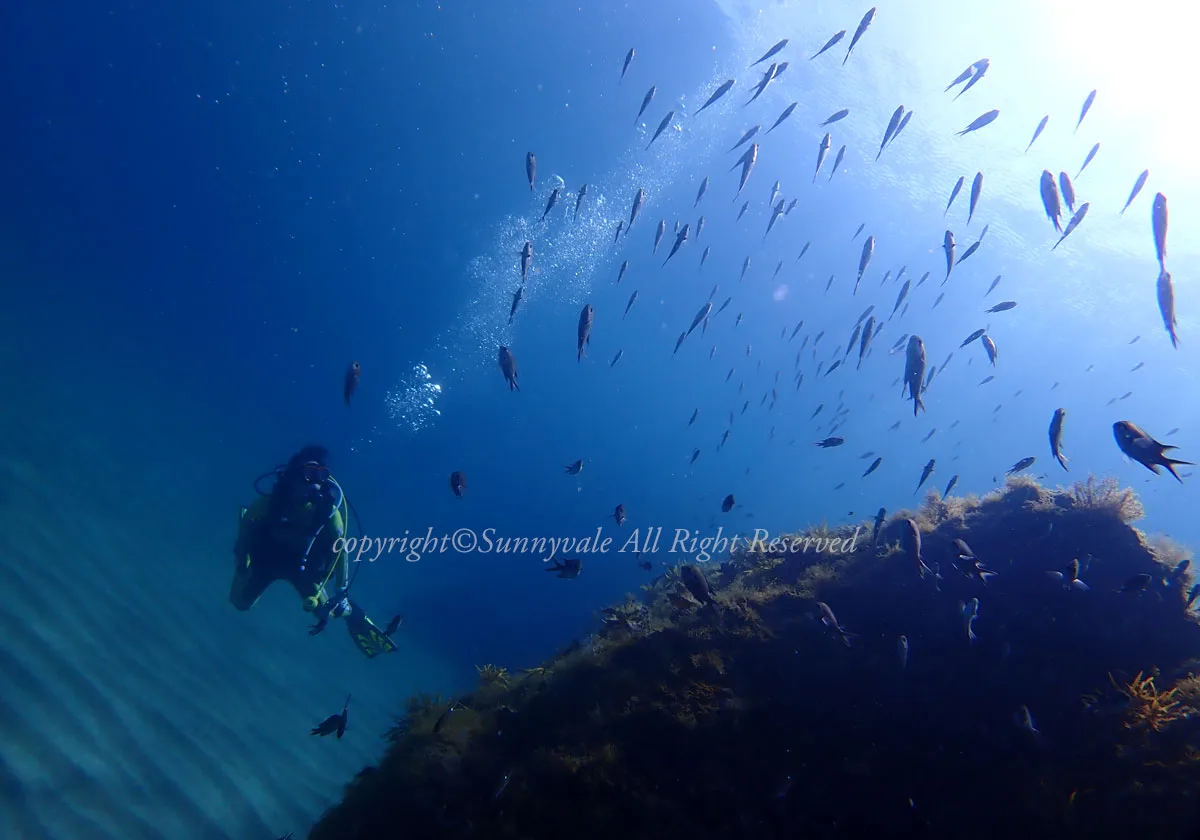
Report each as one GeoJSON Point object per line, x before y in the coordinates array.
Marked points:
{"type": "Point", "coordinates": [268, 551]}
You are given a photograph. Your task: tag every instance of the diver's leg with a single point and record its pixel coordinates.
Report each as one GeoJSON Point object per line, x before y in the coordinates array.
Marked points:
{"type": "Point", "coordinates": [249, 583]}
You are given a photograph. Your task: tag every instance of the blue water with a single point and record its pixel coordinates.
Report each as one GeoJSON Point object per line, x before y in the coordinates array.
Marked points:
{"type": "Point", "coordinates": [210, 210]}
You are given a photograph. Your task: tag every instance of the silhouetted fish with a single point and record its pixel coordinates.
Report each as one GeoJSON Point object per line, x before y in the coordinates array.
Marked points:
{"type": "Point", "coordinates": [837, 36]}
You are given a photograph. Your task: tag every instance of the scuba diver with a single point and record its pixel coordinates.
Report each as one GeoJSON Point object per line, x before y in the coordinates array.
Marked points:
{"type": "Point", "coordinates": [293, 533]}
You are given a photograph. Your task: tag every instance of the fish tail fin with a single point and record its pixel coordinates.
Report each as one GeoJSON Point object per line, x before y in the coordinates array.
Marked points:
{"type": "Point", "coordinates": [1171, 463]}
{"type": "Point", "coordinates": [1062, 460]}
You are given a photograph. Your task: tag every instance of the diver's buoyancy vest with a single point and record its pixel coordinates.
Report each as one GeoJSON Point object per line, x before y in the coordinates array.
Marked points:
{"type": "Point", "coordinates": [293, 533]}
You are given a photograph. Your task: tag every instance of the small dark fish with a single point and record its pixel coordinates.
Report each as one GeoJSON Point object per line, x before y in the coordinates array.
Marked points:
{"type": "Point", "coordinates": [979, 68]}
{"type": "Point", "coordinates": [700, 316]}
{"type": "Point", "coordinates": [508, 366]}
{"type": "Point", "coordinates": [948, 247]}
{"type": "Point", "coordinates": [579, 200]}
{"type": "Point", "coordinates": [662, 126]}
{"type": "Point", "coordinates": [961, 77]}
{"type": "Point", "coordinates": [874, 466]}
{"type": "Point", "coordinates": [574, 468]}
{"type": "Point", "coordinates": [553, 200]}
{"type": "Point", "coordinates": [1087, 106]}
{"type": "Point", "coordinates": [958, 185]}
{"type": "Point", "coordinates": [990, 347]}
{"type": "Point", "coordinates": [818, 411]}
{"type": "Point", "coordinates": [995, 283]}
{"type": "Point", "coordinates": [837, 161]}
{"type": "Point", "coordinates": [1137, 367]}
{"type": "Point", "coordinates": [1136, 584]}
{"type": "Point", "coordinates": [1074, 223]}
{"type": "Point", "coordinates": [530, 169]}
{"type": "Point", "coordinates": [853, 338]}
{"type": "Point", "coordinates": [566, 569]}
{"type": "Point", "coordinates": [837, 36]}
{"type": "Point", "coordinates": [697, 584]}
{"type": "Point", "coordinates": [616, 358]}
{"type": "Point", "coordinates": [858, 33]}
{"type": "Point", "coordinates": [972, 337]}
{"type": "Point", "coordinates": [791, 206]}
{"type": "Point", "coordinates": [695, 414]}
{"type": "Point", "coordinates": [976, 190]}
{"type": "Point", "coordinates": [857, 232]}
{"type": "Point", "coordinates": [831, 441]}
{"type": "Point", "coordinates": [879, 517]}
{"type": "Point", "coordinates": [1088, 159]}
{"type": "Point", "coordinates": [619, 515]}
{"type": "Point", "coordinates": [836, 116]}
{"type": "Point", "coordinates": [1067, 190]}
{"type": "Point", "coordinates": [771, 52]}
{"type": "Point", "coordinates": [1003, 306]}
{"type": "Point", "coordinates": [1050, 199]}
{"type": "Point", "coordinates": [1037, 132]}
{"type": "Point", "coordinates": [350, 382]}
{"type": "Point", "coordinates": [526, 259]}
{"type": "Point", "coordinates": [717, 94]}
{"type": "Point", "coordinates": [747, 162]}
{"type": "Point", "coordinates": [617, 235]}
{"type": "Point", "coordinates": [632, 298]}
{"type": "Point", "coordinates": [939, 300]}
{"type": "Point", "coordinates": [704, 256]}
{"type": "Point", "coordinates": [680, 238]}
{"type": "Point", "coordinates": [628, 59]}
{"type": "Point", "coordinates": [700, 193]}
{"type": "Point", "coordinates": [458, 483]}
{"type": "Point", "coordinates": [1144, 449]}
{"type": "Point", "coordinates": [803, 251]}
{"type": "Point", "coordinates": [893, 123]}
{"type": "Point", "coordinates": [1137, 188]}
{"type": "Point", "coordinates": [726, 303]}
{"type": "Point", "coordinates": [900, 128]}
{"type": "Point", "coordinates": [864, 260]}
{"type": "Point", "coordinates": [745, 137]}
{"type": "Point", "coordinates": [787, 112]}
{"type": "Point", "coordinates": [584, 334]}
{"type": "Point", "coordinates": [914, 371]}
{"type": "Point", "coordinates": [925, 473]}
{"type": "Point", "coordinates": [767, 78]}
{"type": "Point", "coordinates": [821, 153]}
{"type": "Point", "coordinates": [333, 723]}
{"type": "Point", "coordinates": [1158, 219]}
{"type": "Point", "coordinates": [970, 250]}
{"type": "Point", "coordinates": [1166, 304]}
{"type": "Point", "coordinates": [1023, 464]}
{"type": "Point", "coordinates": [621, 271]}
{"type": "Point", "coordinates": [950, 486]}
{"type": "Point", "coordinates": [1192, 595]}
{"type": "Point", "coordinates": [833, 367]}
{"type": "Point", "coordinates": [900, 298]}
{"type": "Point", "coordinates": [775, 214]}
{"type": "Point", "coordinates": [867, 335]}
{"type": "Point", "coordinates": [639, 201]}
{"type": "Point", "coordinates": [695, 455]}
{"type": "Point", "coordinates": [444, 716]}
{"type": "Point", "coordinates": [1056, 430]}
{"type": "Point", "coordinates": [646, 100]}
{"type": "Point", "coordinates": [980, 122]}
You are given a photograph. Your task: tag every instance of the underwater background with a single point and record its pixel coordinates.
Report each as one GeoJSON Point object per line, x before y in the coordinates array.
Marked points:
{"type": "Point", "coordinates": [209, 210]}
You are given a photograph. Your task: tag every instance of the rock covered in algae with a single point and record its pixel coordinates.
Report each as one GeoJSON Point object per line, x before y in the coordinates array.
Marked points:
{"type": "Point", "coordinates": [755, 720]}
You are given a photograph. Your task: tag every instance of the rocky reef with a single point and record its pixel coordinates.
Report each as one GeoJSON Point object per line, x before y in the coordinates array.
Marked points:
{"type": "Point", "coordinates": [751, 717]}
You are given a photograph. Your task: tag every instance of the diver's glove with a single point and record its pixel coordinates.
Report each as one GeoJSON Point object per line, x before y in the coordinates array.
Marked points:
{"type": "Point", "coordinates": [340, 604]}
